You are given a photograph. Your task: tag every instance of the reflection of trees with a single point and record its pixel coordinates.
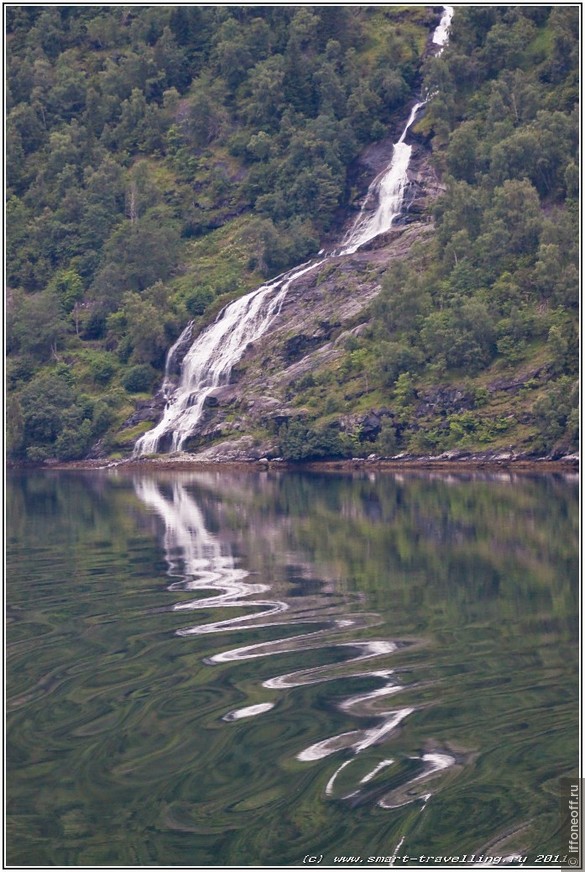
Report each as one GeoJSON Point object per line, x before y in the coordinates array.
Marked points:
{"type": "Point", "coordinates": [198, 558]}
{"type": "Point", "coordinates": [425, 538]}
{"type": "Point", "coordinates": [481, 572]}
{"type": "Point", "coordinates": [78, 517]}
{"type": "Point", "coordinates": [461, 541]}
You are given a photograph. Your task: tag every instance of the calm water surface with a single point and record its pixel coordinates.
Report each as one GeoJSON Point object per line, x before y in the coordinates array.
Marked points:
{"type": "Point", "coordinates": [211, 668]}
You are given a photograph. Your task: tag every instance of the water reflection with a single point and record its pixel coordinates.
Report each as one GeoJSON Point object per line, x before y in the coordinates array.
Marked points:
{"type": "Point", "coordinates": [204, 563]}
{"type": "Point", "coordinates": [348, 663]}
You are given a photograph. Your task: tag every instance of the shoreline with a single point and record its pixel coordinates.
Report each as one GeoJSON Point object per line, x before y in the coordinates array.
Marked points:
{"type": "Point", "coordinates": [413, 464]}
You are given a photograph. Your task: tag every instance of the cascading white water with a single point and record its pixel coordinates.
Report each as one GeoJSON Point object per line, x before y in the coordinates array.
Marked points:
{"type": "Point", "coordinates": [388, 188]}
{"type": "Point", "coordinates": [211, 358]}
{"type": "Point", "coordinates": [209, 362]}
{"type": "Point", "coordinates": [441, 34]}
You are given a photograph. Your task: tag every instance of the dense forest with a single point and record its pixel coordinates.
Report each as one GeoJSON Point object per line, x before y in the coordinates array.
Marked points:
{"type": "Point", "coordinates": [163, 160]}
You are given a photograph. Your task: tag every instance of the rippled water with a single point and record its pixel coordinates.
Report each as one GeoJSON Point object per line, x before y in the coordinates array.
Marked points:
{"type": "Point", "coordinates": [246, 669]}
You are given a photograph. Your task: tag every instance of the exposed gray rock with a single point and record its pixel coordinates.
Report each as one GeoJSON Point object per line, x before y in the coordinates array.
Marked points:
{"type": "Point", "coordinates": [243, 449]}
{"type": "Point", "coordinates": [146, 410]}
{"type": "Point", "coordinates": [366, 426]}
{"type": "Point", "coordinates": [222, 396]}
{"type": "Point", "coordinates": [519, 380]}
{"type": "Point", "coordinates": [444, 400]}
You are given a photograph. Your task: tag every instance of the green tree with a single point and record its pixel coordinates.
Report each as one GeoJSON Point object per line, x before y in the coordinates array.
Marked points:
{"type": "Point", "coordinates": [265, 100]}
{"type": "Point", "coordinates": [136, 256]}
{"type": "Point", "coordinates": [402, 302]}
{"type": "Point", "coordinates": [145, 329]}
{"type": "Point", "coordinates": [38, 328]}
{"type": "Point", "coordinates": [67, 96]}
{"type": "Point", "coordinates": [139, 378]}
{"type": "Point", "coordinates": [515, 210]}
{"type": "Point", "coordinates": [461, 337]}
{"type": "Point", "coordinates": [233, 55]}
{"type": "Point", "coordinates": [48, 404]}
{"type": "Point", "coordinates": [67, 285]}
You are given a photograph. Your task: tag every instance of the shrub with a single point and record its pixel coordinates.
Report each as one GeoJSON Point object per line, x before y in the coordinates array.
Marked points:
{"type": "Point", "coordinates": [37, 454]}
{"type": "Point", "coordinates": [556, 415]}
{"type": "Point", "coordinates": [394, 359]}
{"type": "Point", "coordinates": [19, 370]}
{"type": "Point", "coordinates": [139, 378]}
{"type": "Point", "coordinates": [298, 441]}
{"type": "Point", "coordinates": [103, 417]}
{"type": "Point", "coordinates": [102, 368]}
{"type": "Point", "coordinates": [198, 300]}
{"type": "Point", "coordinates": [74, 444]}
{"type": "Point", "coordinates": [387, 442]}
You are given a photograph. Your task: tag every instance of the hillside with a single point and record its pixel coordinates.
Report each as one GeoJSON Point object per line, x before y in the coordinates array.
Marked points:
{"type": "Point", "coordinates": [164, 160]}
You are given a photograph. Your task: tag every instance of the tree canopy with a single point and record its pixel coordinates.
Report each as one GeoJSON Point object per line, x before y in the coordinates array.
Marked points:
{"type": "Point", "coordinates": [162, 157]}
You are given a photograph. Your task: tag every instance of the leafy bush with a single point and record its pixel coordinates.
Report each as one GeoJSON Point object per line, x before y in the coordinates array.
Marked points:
{"type": "Point", "coordinates": [74, 444]}
{"type": "Point", "coordinates": [298, 441]}
{"type": "Point", "coordinates": [556, 416]}
{"type": "Point", "coordinates": [103, 417]}
{"type": "Point", "coordinates": [102, 367]}
{"type": "Point", "coordinates": [44, 402]}
{"type": "Point", "coordinates": [37, 454]}
{"type": "Point", "coordinates": [395, 358]}
{"type": "Point", "coordinates": [18, 370]}
{"type": "Point", "coordinates": [387, 442]}
{"type": "Point", "coordinates": [197, 301]}
{"type": "Point", "coordinates": [139, 378]}
{"type": "Point", "coordinates": [459, 338]}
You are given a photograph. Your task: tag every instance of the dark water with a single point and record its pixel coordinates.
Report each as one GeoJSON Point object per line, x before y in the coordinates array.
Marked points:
{"type": "Point", "coordinates": [212, 668]}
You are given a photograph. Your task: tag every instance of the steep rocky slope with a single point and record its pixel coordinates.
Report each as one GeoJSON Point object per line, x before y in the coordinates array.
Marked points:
{"type": "Point", "coordinates": [141, 197]}
{"type": "Point", "coordinates": [320, 314]}
{"type": "Point", "coordinates": [295, 372]}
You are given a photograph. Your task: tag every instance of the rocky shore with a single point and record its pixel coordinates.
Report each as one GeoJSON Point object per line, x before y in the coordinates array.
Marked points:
{"type": "Point", "coordinates": [449, 461]}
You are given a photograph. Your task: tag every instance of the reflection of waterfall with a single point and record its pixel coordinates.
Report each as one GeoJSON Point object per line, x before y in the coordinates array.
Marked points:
{"type": "Point", "coordinates": [211, 358]}
{"type": "Point", "coordinates": [206, 563]}
{"type": "Point", "coordinates": [200, 561]}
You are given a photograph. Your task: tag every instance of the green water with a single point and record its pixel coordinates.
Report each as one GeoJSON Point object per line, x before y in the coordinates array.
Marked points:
{"type": "Point", "coordinates": [213, 668]}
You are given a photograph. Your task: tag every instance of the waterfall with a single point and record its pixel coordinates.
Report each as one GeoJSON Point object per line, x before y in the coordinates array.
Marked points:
{"type": "Point", "coordinates": [209, 362]}
{"type": "Point", "coordinates": [388, 188]}
{"type": "Point", "coordinates": [211, 358]}
{"type": "Point", "coordinates": [441, 34]}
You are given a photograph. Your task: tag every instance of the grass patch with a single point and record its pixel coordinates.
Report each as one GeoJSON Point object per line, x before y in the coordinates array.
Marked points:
{"type": "Point", "coordinates": [131, 434]}
{"type": "Point", "coordinates": [540, 47]}
{"type": "Point", "coordinates": [219, 261]}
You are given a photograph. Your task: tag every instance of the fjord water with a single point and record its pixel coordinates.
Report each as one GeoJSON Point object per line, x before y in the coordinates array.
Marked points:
{"type": "Point", "coordinates": [212, 668]}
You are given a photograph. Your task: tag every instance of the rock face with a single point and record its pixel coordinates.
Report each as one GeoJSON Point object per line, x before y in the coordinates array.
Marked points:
{"type": "Point", "coordinates": [445, 400]}
{"type": "Point", "coordinates": [148, 410]}
{"type": "Point", "coordinates": [318, 316]}
{"type": "Point", "coordinates": [321, 311]}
